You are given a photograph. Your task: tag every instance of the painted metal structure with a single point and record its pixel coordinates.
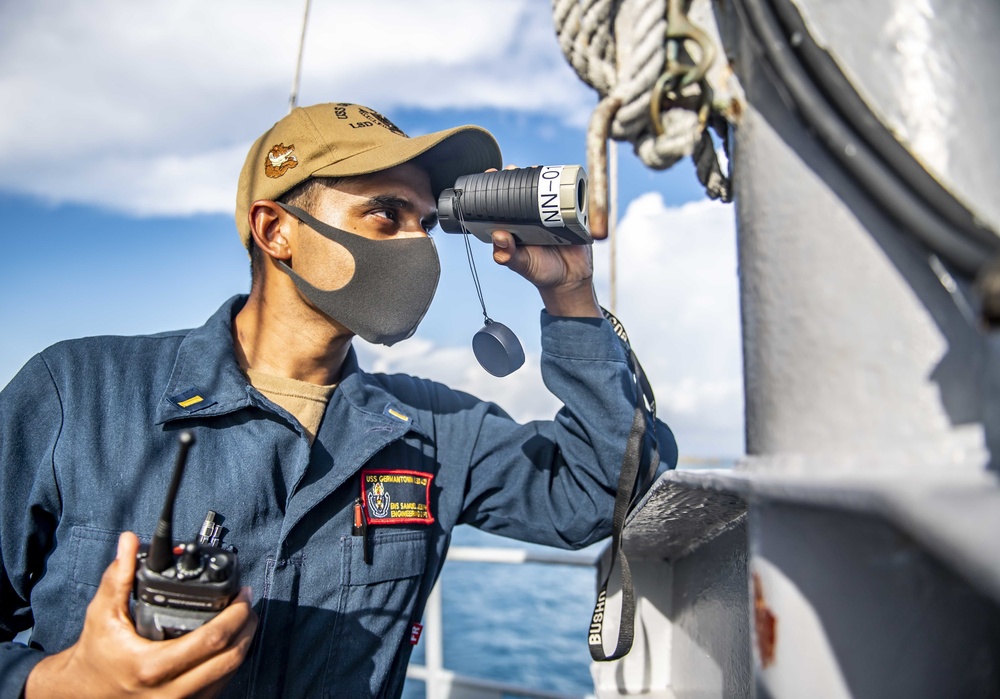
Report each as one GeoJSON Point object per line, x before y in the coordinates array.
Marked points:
{"type": "Point", "coordinates": [856, 551]}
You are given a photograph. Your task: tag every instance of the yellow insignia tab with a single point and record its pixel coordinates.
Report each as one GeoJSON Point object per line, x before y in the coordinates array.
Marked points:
{"type": "Point", "coordinates": [191, 400]}
{"type": "Point", "coordinates": [398, 415]}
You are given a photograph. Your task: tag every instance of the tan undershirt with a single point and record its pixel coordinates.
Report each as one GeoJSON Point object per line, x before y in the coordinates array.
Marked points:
{"type": "Point", "coordinates": [306, 401]}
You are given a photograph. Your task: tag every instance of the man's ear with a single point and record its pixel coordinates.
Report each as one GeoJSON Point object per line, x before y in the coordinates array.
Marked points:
{"type": "Point", "coordinates": [270, 226]}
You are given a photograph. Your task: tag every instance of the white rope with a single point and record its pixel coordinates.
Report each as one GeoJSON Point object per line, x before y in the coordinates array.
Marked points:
{"type": "Point", "coordinates": [624, 62]}
{"type": "Point", "coordinates": [613, 224]}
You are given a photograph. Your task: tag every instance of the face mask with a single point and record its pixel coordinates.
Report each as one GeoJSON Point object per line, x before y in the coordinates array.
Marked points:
{"type": "Point", "coordinates": [392, 287]}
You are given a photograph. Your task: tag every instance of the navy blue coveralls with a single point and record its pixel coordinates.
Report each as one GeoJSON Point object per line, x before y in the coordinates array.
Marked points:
{"type": "Point", "coordinates": [88, 437]}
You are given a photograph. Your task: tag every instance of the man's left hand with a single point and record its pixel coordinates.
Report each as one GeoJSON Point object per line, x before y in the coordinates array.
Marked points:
{"type": "Point", "coordinates": [563, 274]}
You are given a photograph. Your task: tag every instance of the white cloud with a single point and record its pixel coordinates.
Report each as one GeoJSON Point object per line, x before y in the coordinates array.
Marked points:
{"type": "Point", "coordinates": [678, 298]}
{"type": "Point", "coordinates": [521, 394]}
{"type": "Point", "coordinates": [150, 107]}
{"type": "Point", "coordinates": [679, 301]}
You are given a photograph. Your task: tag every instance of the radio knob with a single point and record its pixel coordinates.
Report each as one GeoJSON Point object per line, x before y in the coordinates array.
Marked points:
{"type": "Point", "coordinates": [189, 565]}
{"type": "Point", "coordinates": [217, 569]}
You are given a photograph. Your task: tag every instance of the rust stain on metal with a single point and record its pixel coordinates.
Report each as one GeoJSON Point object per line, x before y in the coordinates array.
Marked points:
{"type": "Point", "coordinates": [735, 111]}
{"type": "Point", "coordinates": [597, 164]}
{"type": "Point", "coordinates": [765, 622]}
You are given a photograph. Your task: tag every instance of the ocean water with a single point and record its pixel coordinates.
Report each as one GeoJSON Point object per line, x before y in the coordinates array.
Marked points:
{"type": "Point", "coordinates": [522, 624]}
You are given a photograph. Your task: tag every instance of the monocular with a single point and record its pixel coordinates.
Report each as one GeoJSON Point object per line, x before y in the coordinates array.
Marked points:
{"type": "Point", "coordinates": [538, 206]}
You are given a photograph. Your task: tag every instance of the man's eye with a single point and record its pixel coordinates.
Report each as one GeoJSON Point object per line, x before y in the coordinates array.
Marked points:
{"type": "Point", "coordinates": [386, 213]}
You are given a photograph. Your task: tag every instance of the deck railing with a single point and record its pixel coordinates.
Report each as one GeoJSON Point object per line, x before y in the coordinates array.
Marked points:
{"type": "Point", "coordinates": [442, 683]}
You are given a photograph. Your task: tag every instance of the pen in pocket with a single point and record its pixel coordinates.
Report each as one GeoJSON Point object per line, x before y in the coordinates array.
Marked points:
{"type": "Point", "coordinates": [360, 528]}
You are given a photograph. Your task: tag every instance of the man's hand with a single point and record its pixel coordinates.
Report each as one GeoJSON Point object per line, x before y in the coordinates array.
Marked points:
{"type": "Point", "coordinates": [110, 659]}
{"type": "Point", "coordinates": [563, 274]}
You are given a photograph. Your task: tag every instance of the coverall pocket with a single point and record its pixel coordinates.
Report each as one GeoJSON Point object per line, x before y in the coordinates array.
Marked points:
{"type": "Point", "coordinates": [376, 606]}
{"type": "Point", "coordinates": [93, 551]}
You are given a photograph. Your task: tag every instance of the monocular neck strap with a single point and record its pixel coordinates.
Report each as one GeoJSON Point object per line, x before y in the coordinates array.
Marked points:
{"type": "Point", "coordinates": [631, 485]}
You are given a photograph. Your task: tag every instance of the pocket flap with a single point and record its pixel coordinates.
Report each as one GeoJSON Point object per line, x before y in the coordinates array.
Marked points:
{"type": "Point", "coordinates": [395, 555]}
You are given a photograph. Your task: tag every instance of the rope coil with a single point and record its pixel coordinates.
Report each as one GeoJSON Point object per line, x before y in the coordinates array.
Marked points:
{"type": "Point", "coordinates": [660, 80]}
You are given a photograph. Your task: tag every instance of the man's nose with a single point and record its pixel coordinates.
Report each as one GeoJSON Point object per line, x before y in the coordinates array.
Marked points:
{"type": "Point", "coordinates": [418, 229]}
{"type": "Point", "coordinates": [413, 233]}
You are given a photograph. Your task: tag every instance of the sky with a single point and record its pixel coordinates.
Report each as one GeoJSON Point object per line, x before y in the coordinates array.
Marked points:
{"type": "Point", "coordinates": [127, 123]}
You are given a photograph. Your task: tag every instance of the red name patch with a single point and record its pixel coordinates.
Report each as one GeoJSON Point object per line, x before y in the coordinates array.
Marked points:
{"type": "Point", "coordinates": [397, 497]}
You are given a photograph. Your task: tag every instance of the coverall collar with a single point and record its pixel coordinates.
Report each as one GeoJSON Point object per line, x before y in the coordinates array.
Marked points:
{"type": "Point", "coordinates": [206, 380]}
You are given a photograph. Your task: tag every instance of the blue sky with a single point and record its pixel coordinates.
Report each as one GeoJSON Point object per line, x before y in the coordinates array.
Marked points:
{"type": "Point", "coordinates": [133, 120]}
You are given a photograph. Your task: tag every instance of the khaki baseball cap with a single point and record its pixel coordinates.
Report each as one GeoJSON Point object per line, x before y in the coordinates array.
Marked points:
{"type": "Point", "coordinates": [341, 140]}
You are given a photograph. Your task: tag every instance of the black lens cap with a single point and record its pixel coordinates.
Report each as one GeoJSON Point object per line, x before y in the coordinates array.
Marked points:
{"type": "Point", "coordinates": [497, 349]}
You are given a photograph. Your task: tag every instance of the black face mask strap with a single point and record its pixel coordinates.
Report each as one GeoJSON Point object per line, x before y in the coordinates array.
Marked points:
{"type": "Point", "coordinates": [630, 487]}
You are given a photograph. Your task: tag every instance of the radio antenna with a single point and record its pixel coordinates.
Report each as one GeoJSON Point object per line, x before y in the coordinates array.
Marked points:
{"type": "Point", "coordinates": [161, 549]}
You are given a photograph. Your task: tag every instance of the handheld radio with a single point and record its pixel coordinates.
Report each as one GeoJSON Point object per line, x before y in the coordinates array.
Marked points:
{"type": "Point", "coordinates": [179, 588]}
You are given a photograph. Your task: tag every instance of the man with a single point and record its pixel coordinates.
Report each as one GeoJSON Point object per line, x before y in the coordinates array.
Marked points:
{"type": "Point", "coordinates": [295, 444]}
